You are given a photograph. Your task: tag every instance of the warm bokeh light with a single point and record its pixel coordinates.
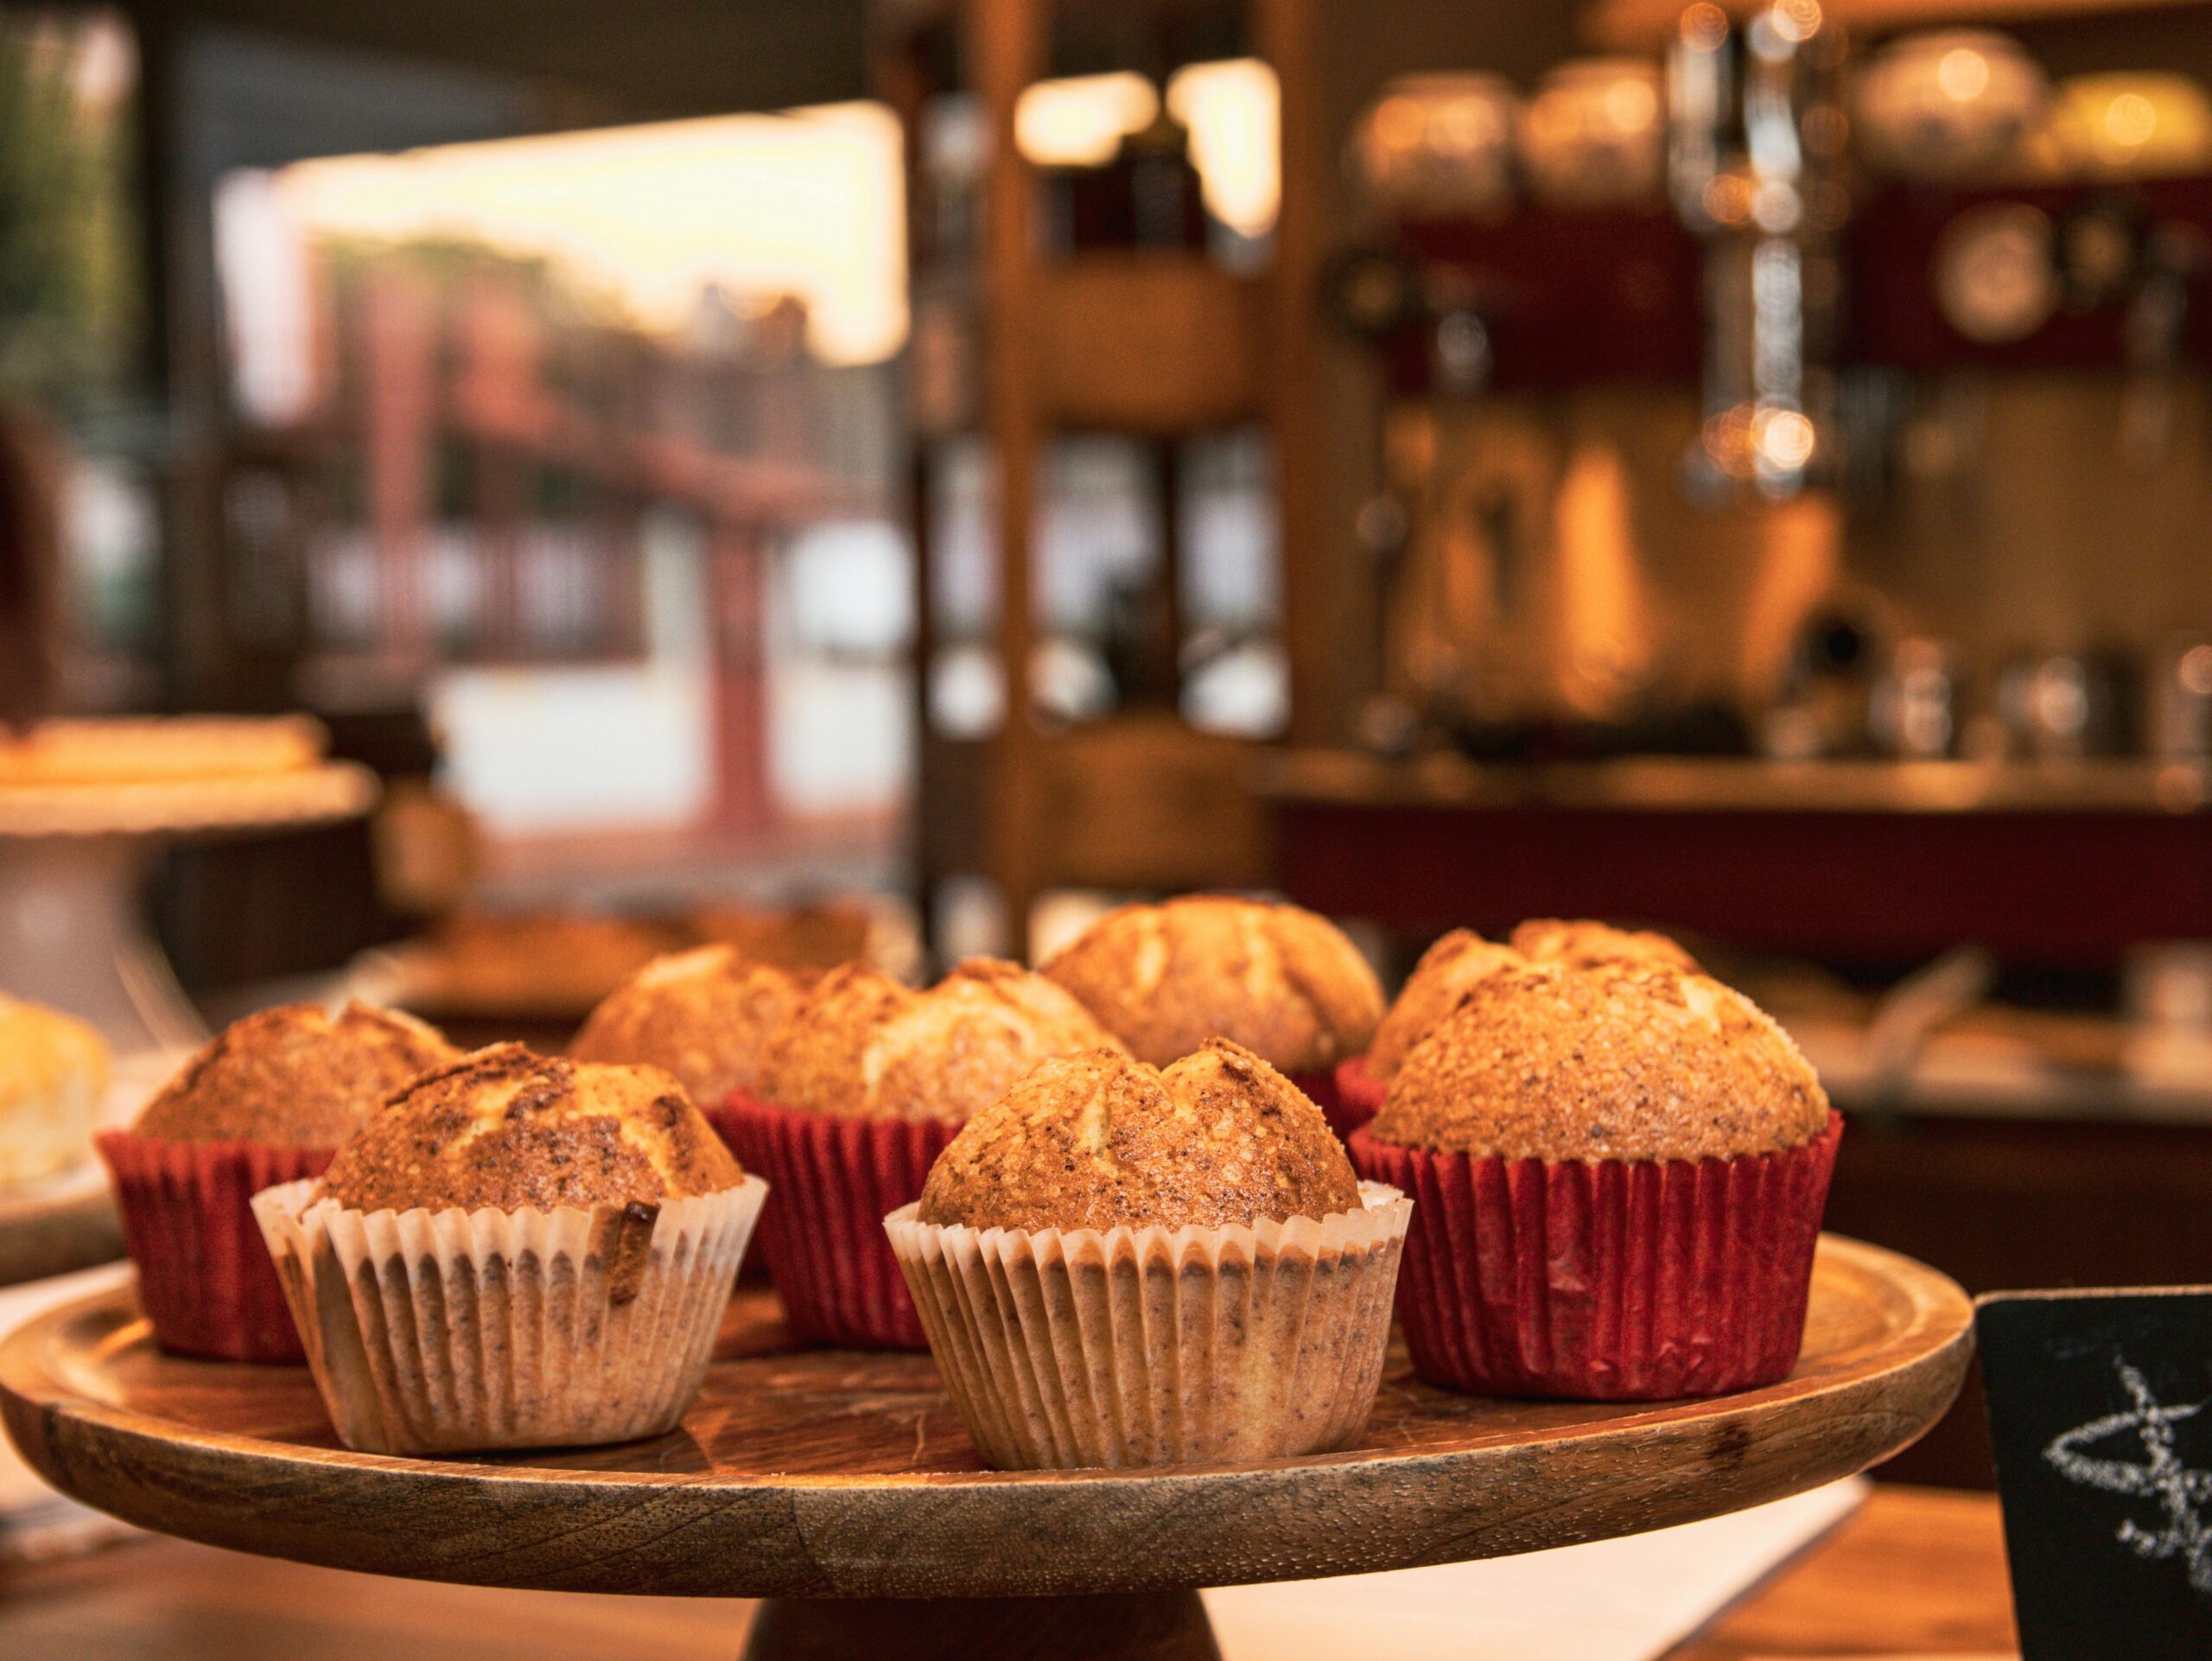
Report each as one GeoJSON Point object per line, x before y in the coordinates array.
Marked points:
{"type": "Point", "coordinates": [1230, 108]}
{"type": "Point", "coordinates": [2130, 120]}
{"type": "Point", "coordinates": [2134, 125]}
{"type": "Point", "coordinates": [809, 203]}
{"type": "Point", "coordinates": [1233, 111]}
{"type": "Point", "coordinates": [1962, 74]}
{"type": "Point", "coordinates": [1796, 20]}
{"type": "Point", "coordinates": [1080, 122]}
{"type": "Point", "coordinates": [1785, 439]}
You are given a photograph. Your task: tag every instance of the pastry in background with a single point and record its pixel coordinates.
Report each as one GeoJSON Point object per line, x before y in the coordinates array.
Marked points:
{"type": "Point", "coordinates": [1284, 982]}
{"type": "Point", "coordinates": [861, 1088]}
{"type": "Point", "coordinates": [550, 965]}
{"type": "Point", "coordinates": [816, 937]}
{"type": "Point", "coordinates": [704, 1016]}
{"type": "Point", "coordinates": [1122, 1266]}
{"type": "Point", "coordinates": [112, 751]}
{"type": "Point", "coordinates": [268, 1101]}
{"type": "Point", "coordinates": [516, 1251]}
{"type": "Point", "coordinates": [1617, 1174]}
{"type": "Point", "coordinates": [1453, 964]}
{"type": "Point", "coordinates": [53, 1072]}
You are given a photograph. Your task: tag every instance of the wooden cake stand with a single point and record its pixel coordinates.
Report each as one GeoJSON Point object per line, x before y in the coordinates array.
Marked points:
{"type": "Point", "coordinates": [839, 1486]}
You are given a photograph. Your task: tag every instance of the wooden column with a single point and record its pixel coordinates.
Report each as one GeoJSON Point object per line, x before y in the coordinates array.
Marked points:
{"type": "Point", "coordinates": [1006, 45]}
{"type": "Point", "coordinates": [736, 561]}
{"type": "Point", "coordinates": [402, 399]}
{"type": "Point", "coordinates": [1288, 35]}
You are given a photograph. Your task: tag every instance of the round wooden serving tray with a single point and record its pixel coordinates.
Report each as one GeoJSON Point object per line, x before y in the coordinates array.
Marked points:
{"type": "Point", "coordinates": [835, 1474]}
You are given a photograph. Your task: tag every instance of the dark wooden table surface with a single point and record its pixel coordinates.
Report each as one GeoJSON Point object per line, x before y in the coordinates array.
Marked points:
{"type": "Point", "coordinates": [1916, 1571]}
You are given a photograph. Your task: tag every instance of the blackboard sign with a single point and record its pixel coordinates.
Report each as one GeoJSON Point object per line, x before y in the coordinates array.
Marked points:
{"type": "Point", "coordinates": [2101, 1417]}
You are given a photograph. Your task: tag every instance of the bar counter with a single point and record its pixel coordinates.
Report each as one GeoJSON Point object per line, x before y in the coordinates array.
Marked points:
{"type": "Point", "coordinates": [2048, 863]}
{"type": "Point", "coordinates": [1915, 1571]}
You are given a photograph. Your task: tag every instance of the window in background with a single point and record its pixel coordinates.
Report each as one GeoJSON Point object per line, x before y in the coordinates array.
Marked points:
{"type": "Point", "coordinates": [589, 437]}
{"type": "Point", "coordinates": [1099, 555]}
{"type": "Point", "coordinates": [71, 309]}
{"type": "Point", "coordinates": [841, 628]}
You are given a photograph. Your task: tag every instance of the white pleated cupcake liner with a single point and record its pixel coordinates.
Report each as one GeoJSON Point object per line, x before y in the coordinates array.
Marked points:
{"type": "Point", "coordinates": [440, 1332]}
{"type": "Point", "coordinates": [1072, 1348]}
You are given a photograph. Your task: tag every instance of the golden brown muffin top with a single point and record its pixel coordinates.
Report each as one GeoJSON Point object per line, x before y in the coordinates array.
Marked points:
{"type": "Point", "coordinates": [704, 1016]}
{"type": "Point", "coordinates": [1623, 1061]}
{"type": "Point", "coordinates": [1582, 944]}
{"type": "Point", "coordinates": [1099, 1140]}
{"type": "Point", "coordinates": [1448, 969]}
{"type": "Point", "coordinates": [295, 1076]}
{"type": "Point", "coordinates": [510, 1129]}
{"type": "Point", "coordinates": [41, 1049]}
{"type": "Point", "coordinates": [1279, 980]}
{"type": "Point", "coordinates": [860, 1045]}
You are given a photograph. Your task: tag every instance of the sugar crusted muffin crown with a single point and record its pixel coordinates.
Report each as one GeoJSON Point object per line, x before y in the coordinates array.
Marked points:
{"type": "Point", "coordinates": [861, 1044]}
{"type": "Point", "coordinates": [1458, 960]}
{"type": "Point", "coordinates": [704, 1016]}
{"type": "Point", "coordinates": [1632, 1060]}
{"type": "Point", "coordinates": [1446, 970]}
{"type": "Point", "coordinates": [1281, 981]}
{"type": "Point", "coordinates": [1583, 943]}
{"type": "Point", "coordinates": [508, 1129]}
{"type": "Point", "coordinates": [1099, 1141]}
{"type": "Point", "coordinates": [295, 1076]}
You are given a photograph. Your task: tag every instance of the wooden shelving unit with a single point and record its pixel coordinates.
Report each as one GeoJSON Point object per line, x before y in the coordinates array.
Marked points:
{"type": "Point", "coordinates": [1641, 25]}
{"type": "Point", "coordinates": [1161, 344]}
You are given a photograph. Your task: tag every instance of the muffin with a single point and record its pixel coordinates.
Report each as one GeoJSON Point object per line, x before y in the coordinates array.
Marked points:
{"type": "Point", "coordinates": [703, 1016]}
{"type": "Point", "coordinates": [1282, 982]}
{"type": "Point", "coordinates": [860, 1089]}
{"type": "Point", "coordinates": [1582, 944]}
{"type": "Point", "coordinates": [1446, 969]}
{"type": "Point", "coordinates": [268, 1101]}
{"type": "Point", "coordinates": [1124, 1265]}
{"type": "Point", "coordinates": [53, 1079]}
{"type": "Point", "coordinates": [516, 1251]}
{"type": "Point", "coordinates": [1453, 963]}
{"type": "Point", "coordinates": [1619, 1174]}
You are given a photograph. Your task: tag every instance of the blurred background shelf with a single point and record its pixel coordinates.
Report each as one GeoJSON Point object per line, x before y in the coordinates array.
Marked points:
{"type": "Point", "coordinates": [1160, 344]}
{"type": "Point", "coordinates": [1643, 24]}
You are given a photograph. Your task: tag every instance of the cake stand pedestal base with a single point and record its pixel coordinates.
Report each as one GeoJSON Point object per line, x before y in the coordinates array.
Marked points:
{"type": "Point", "coordinates": [1137, 1626]}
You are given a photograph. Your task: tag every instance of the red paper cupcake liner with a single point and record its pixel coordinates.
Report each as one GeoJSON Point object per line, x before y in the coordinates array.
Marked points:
{"type": "Point", "coordinates": [1607, 1280]}
{"type": "Point", "coordinates": [205, 1277]}
{"type": "Point", "coordinates": [831, 1182]}
{"type": "Point", "coordinates": [1320, 1089]}
{"type": "Point", "coordinates": [1359, 1097]}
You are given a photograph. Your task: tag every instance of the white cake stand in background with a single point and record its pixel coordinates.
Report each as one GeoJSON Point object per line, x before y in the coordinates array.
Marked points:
{"type": "Point", "coordinates": [73, 860]}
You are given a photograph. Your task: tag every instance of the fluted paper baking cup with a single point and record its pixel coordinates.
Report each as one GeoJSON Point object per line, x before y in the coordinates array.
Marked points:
{"type": "Point", "coordinates": [1359, 1097]}
{"type": "Point", "coordinates": [1068, 1348]}
{"type": "Point", "coordinates": [440, 1332]}
{"type": "Point", "coordinates": [1607, 1280]}
{"type": "Point", "coordinates": [835, 1180]}
{"type": "Point", "coordinates": [205, 1279]}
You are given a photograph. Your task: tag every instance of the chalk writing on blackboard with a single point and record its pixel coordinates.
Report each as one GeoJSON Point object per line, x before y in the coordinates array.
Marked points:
{"type": "Point", "coordinates": [2161, 1476]}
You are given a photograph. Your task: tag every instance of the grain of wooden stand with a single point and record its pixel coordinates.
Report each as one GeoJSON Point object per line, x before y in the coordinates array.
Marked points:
{"type": "Point", "coordinates": [842, 1485]}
